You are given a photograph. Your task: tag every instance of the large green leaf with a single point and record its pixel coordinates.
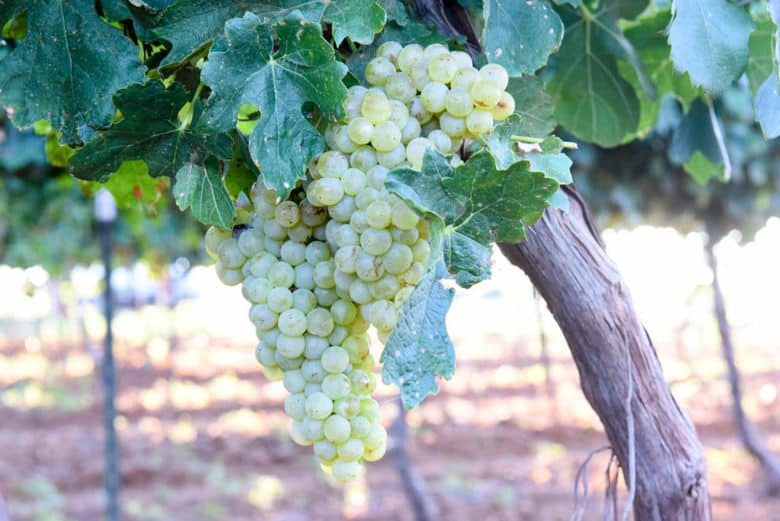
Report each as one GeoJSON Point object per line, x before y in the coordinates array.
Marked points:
{"type": "Point", "coordinates": [520, 35]}
{"type": "Point", "coordinates": [653, 50]}
{"type": "Point", "coordinates": [132, 185]}
{"type": "Point", "coordinates": [695, 140]}
{"type": "Point", "coordinates": [592, 100]}
{"type": "Point", "coordinates": [201, 188]}
{"type": "Point", "coordinates": [66, 68]}
{"type": "Point", "coordinates": [150, 131]}
{"type": "Point", "coordinates": [278, 80]}
{"type": "Point", "coordinates": [534, 106]}
{"type": "Point", "coordinates": [709, 40]}
{"type": "Point", "coordinates": [189, 24]}
{"type": "Point", "coordinates": [419, 350]}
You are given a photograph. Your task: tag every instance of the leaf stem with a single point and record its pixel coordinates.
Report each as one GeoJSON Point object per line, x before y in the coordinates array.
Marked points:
{"type": "Point", "coordinates": [569, 145]}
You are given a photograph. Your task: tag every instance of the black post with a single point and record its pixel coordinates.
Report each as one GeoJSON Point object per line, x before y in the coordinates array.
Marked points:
{"type": "Point", "coordinates": [105, 212]}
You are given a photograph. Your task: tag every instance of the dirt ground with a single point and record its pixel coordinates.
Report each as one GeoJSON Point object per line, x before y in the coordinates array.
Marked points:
{"type": "Point", "coordinates": [203, 438]}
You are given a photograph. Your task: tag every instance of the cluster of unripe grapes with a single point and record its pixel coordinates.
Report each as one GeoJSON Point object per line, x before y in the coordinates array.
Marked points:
{"type": "Point", "coordinates": [341, 253]}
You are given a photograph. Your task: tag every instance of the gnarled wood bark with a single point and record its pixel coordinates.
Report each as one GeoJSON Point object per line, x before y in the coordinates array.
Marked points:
{"type": "Point", "coordinates": [565, 260]}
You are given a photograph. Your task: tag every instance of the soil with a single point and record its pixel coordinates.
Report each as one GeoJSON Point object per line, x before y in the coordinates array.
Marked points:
{"type": "Point", "coordinates": [199, 445]}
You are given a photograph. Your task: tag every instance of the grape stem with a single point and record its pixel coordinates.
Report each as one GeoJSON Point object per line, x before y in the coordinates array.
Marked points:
{"type": "Point", "coordinates": [569, 145]}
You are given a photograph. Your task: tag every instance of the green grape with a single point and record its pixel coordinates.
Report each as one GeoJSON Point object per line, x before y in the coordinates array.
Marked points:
{"type": "Point", "coordinates": [299, 233]}
{"type": "Point", "coordinates": [338, 335]}
{"type": "Point", "coordinates": [356, 346]}
{"type": "Point", "coordinates": [360, 427]}
{"type": "Point", "coordinates": [313, 429]}
{"type": "Point", "coordinates": [214, 237]}
{"type": "Point", "coordinates": [323, 273]}
{"type": "Point", "coordinates": [287, 215]}
{"type": "Point", "coordinates": [458, 103]}
{"type": "Point", "coordinates": [345, 236]}
{"type": "Point", "coordinates": [346, 471]}
{"type": "Point", "coordinates": [354, 181]}
{"type": "Point", "coordinates": [274, 230]}
{"type": "Point", "coordinates": [337, 429]}
{"type": "Point", "coordinates": [418, 111]}
{"type": "Point", "coordinates": [364, 158]}
{"type": "Point", "coordinates": [325, 192]}
{"type": "Point", "coordinates": [331, 164]}
{"type": "Point", "coordinates": [319, 406]}
{"type": "Point", "coordinates": [368, 267]}
{"type": "Point", "coordinates": [386, 137]}
{"type": "Point", "coordinates": [325, 451]}
{"type": "Point", "coordinates": [442, 68]}
{"type": "Point", "coordinates": [452, 126]}
{"type": "Point", "coordinates": [383, 314]}
{"type": "Point", "coordinates": [293, 253]}
{"type": "Point", "coordinates": [346, 257]}
{"type": "Point", "coordinates": [504, 108]}
{"type": "Point", "coordinates": [343, 210]}
{"type": "Point", "coordinates": [441, 141]}
{"type": "Point", "coordinates": [279, 299]}
{"type": "Point", "coordinates": [386, 287]}
{"type": "Point", "coordinates": [304, 276]}
{"type": "Point", "coordinates": [376, 454]}
{"type": "Point", "coordinates": [312, 388]}
{"type": "Point", "coordinates": [315, 346]}
{"type": "Point", "coordinates": [434, 50]}
{"type": "Point", "coordinates": [313, 215]}
{"type": "Point", "coordinates": [409, 56]}
{"type": "Point", "coordinates": [479, 122]}
{"type": "Point", "coordinates": [399, 86]}
{"type": "Point", "coordinates": [370, 409]}
{"type": "Point", "coordinates": [250, 242]}
{"type": "Point", "coordinates": [378, 214]}
{"type": "Point", "coordinates": [376, 242]}
{"type": "Point", "coordinates": [265, 355]}
{"type": "Point", "coordinates": [262, 316]}
{"type": "Point", "coordinates": [292, 322]}
{"type": "Point", "coordinates": [376, 107]}
{"type": "Point", "coordinates": [294, 406]}
{"type": "Point", "coordinates": [319, 322]}
{"type": "Point", "coordinates": [462, 59]}
{"type": "Point", "coordinates": [281, 275]}
{"type": "Point", "coordinates": [290, 346]}
{"type": "Point", "coordinates": [228, 276]}
{"type": "Point", "coordinates": [269, 337]}
{"type": "Point", "coordinates": [293, 381]}
{"type": "Point", "coordinates": [335, 359]}
{"type": "Point", "coordinates": [413, 275]}
{"type": "Point", "coordinates": [389, 50]}
{"type": "Point", "coordinates": [432, 97]}
{"type": "Point", "coordinates": [297, 434]}
{"type": "Point", "coordinates": [377, 175]}
{"type": "Point", "coordinates": [359, 292]}
{"type": "Point", "coordinates": [485, 94]}
{"type": "Point", "coordinates": [317, 251]}
{"type": "Point", "coordinates": [393, 158]}
{"type": "Point", "coordinates": [362, 382]}
{"type": "Point", "coordinates": [256, 290]}
{"type": "Point", "coordinates": [419, 76]}
{"type": "Point", "coordinates": [272, 246]}
{"type": "Point", "coordinates": [358, 221]}
{"type": "Point", "coordinates": [379, 70]}
{"type": "Point", "coordinates": [376, 436]}
{"type": "Point", "coordinates": [366, 197]}
{"type": "Point", "coordinates": [351, 450]}
{"type": "Point", "coordinates": [353, 100]}
{"type": "Point", "coordinates": [348, 407]}
{"type": "Point", "coordinates": [336, 386]}
{"type": "Point", "coordinates": [495, 74]}
{"type": "Point", "coordinates": [360, 130]}
{"type": "Point", "coordinates": [313, 371]}
{"type": "Point", "coordinates": [421, 251]}
{"type": "Point", "coordinates": [411, 130]}
{"type": "Point", "coordinates": [230, 255]}
{"type": "Point", "coordinates": [343, 312]}
{"type": "Point", "coordinates": [342, 141]}
{"type": "Point", "coordinates": [400, 114]}
{"type": "Point", "coordinates": [415, 151]}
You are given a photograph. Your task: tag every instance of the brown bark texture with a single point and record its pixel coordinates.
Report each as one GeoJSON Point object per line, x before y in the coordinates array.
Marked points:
{"type": "Point", "coordinates": [566, 261]}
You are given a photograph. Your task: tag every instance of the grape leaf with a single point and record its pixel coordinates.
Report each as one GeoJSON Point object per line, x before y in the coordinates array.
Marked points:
{"type": "Point", "coordinates": [358, 20]}
{"type": "Point", "coordinates": [709, 40]}
{"type": "Point", "coordinates": [132, 184]}
{"type": "Point", "coordinates": [201, 189]}
{"type": "Point", "coordinates": [278, 81]}
{"type": "Point", "coordinates": [696, 133]}
{"type": "Point", "coordinates": [66, 68]}
{"type": "Point", "coordinates": [774, 14]}
{"type": "Point", "coordinates": [627, 9]}
{"type": "Point", "coordinates": [767, 107]}
{"type": "Point", "coordinates": [19, 149]}
{"type": "Point", "coordinates": [591, 100]}
{"type": "Point", "coordinates": [419, 349]}
{"type": "Point", "coordinates": [536, 109]}
{"type": "Point", "coordinates": [761, 60]}
{"type": "Point", "coordinates": [150, 131]}
{"type": "Point", "coordinates": [653, 50]}
{"type": "Point", "coordinates": [189, 24]}
{"type": "Point", "coordinates": [498, 203]}
{"type": "Point", "coordinates": [520, 35]}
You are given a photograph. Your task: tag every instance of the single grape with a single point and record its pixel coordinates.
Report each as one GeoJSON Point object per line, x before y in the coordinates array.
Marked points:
{"type": "Point", "coordinates": [421, 251]}
{"type": "Point", "coordinates": [293, 253]}
{"type": "Point", "coordinates": [293, 381]}
{"type": "Point", "coordinates": [432, 97]}
{"type": "Point", "coordinates": [255, 289]}
{"type": "Point", "coordinates": [230, 254]}
{"type": "Point", "coordinates": [250, 242]}
{"type": "Point", "coordinates": [434, 50]}
{"type": "Point", "coordinates": [351, 450]}
{"type": "Point", "coordinates": [279, 299]}
{"type": "Point", "coordinates": [319, 322]}
{"type": "Point", "coordinates": [393, 158]}
{"type": "Point", "coordinates": [281, 275]}
{"type": "Point", "coordinates": [452, 126]}
{"type": "Point", "coordinates": [360, 426]}
{"type": "Point", "coordinates": [485, 94]}
{"type": "Point", "coordinates": [386, 137]}
{"type": "Point", "coordinates": [325, 192]}
{"type": "Point", "coordinates": [313, 371]}
{"type": "Point", "coordinates": [332, 164]}
{"type": "Point", "coordinates": [313, 429]}
{"type": "Point", "coordinates": [262, 316]}
{"type": "Point", "coordinates": [315, 346]}
{"type": "Point", "coordinates": [338, 335]}
{"type": "Point", "coordinates": [409, 56]}
{"type": "Point", "coordinates": [479, 122]}
{"type": "Point", "coordinates": [304, 276]}
{"type": "Point", "coordinates": [343, 210]}
{"type": "Point", "coordinates": [337, 428]}
{"type": "Point", "coordinates": [415, 151]}
{"type": "Point", "coordinates": [214, 237]}
{"type": "Point", "coordinates": [418, 111]}
{"type": "Point", "coordinates": [462, 58]}
{"type": "Point", "coordinates": [377, 175]}
{"type": "Point", "coordinates": [441, 140]}
{"type": "Point", "coordinates": [368, 267]}
{"type": "Point", "coordinates": [346, 471]}
{"type": "Point", "coordinates": [325, 451]}
{"type": "Point", "coordinates": [495, 74]}
{"type": "Point", "coordinates": [376, 242]}
{"type": "Point", "coordinates": [376, 107]}
{"type": "Point", "coordinates": [336, 386]}
{"type": "Point", "coordinates": [378, 214]}
{"type": "Point", "coordinates": [389, 50]}
{"type": "Point", "coordinates": [459, 103]}
{"type": "Point", "coordinates": [356, 346]}
{"type": "Point", "coordinates": [295, 406]}
{"type": "Point", "coordinates": [319, 406]}
{"type": "Point", "coordinates": [379, 70]}
{"type": "Point", "coordinates": [290, 346]}
{"type": "Point", "coordinates": [354, 181]}
{"type": "Point", "coordinates": [298, 436]}
{"type": "Point", "coordinates": [348, 407]}
{"type": "Point", "coordinates": [411, 130]}
{"type": "Point", "coordinates": [342, 141]}
{"type": "Point", "coordinates": [387, 286]}
{"type": "Point", "coordinates": [442, 68]}
{"type": "Point", "coordinates": [504, 108]}
{"type": "Point", "coordinates": [317, 251]}
{"type": "Point", "coordinates": [364, 157]}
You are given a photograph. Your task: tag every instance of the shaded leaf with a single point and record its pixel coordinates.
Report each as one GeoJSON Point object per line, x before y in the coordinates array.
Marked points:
{"type": "Point", "coordinates": [767, 107]}
{"type": "Point", "coordinates": [419, 349]}
{"type": "Point", "coordinates": [66, 68]}
{"type": "Point", "coordinates": [201, 189]}
{"type": "Point", "coordinates": [278, 80]}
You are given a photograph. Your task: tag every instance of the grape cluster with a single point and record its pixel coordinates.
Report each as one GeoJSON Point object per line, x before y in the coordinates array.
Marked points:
{"type": "Point", "coordinates": [342, 253]}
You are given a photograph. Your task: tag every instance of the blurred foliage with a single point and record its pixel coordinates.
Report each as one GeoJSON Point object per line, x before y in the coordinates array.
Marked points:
{"type": "Point", "coordinates": [644, 183]}
{"type": "Point", "coordinates": [46, 215]}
